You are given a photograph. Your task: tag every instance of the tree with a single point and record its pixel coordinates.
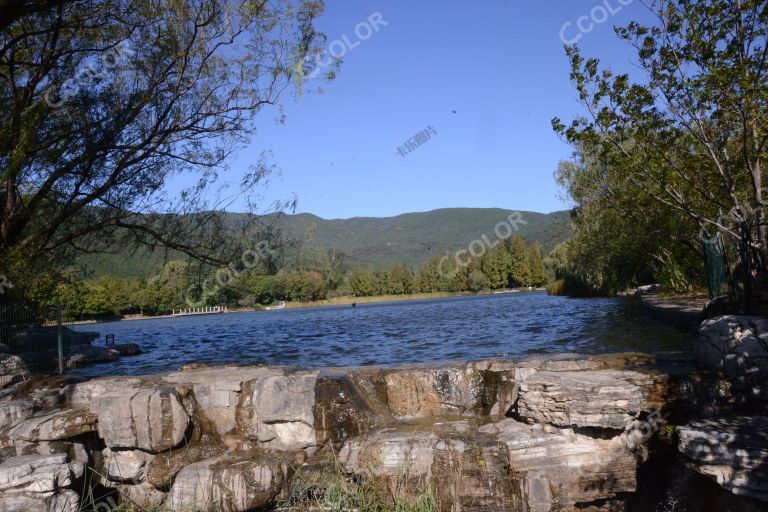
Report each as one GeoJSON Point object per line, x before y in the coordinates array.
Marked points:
{"type": "Point", "coordinates": [105, 101]}
{"type": "Point", "coordinates": [399, 280]}
{"type": "Point", "coordinates": [262, 288]}
{"type": "Point", "coordinates": [520, 267]}
{"type": "Point", "coordinates": [364, 283]}
{"type": "Point", "coordinates": [536, 266]}
{"type": "Point", "coordinates": [623, 237]}
{"type": "Point", "coordinates": [692, 134]}
{"type": "Point", "coordinates": [477, 281]}
{"type": "Point", "coordinates": [496, 264]}
{"type": "Point", "coordinates": [305, 286]}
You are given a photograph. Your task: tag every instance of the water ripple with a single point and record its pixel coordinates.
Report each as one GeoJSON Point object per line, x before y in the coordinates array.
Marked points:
{"type": "Point", "coordinates": [393, 333]}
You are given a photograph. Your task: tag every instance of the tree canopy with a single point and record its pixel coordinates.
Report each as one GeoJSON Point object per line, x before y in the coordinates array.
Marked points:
{"type": "Point", "coordinates": [677, 153]}
{"type": "Point", "coordinates": [105, 102]}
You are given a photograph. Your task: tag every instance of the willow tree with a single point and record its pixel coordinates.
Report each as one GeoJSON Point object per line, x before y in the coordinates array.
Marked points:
{"type": "Point", "coordinates": [107, 102]}
{"type": "Point", "coordinates": [691, 132]}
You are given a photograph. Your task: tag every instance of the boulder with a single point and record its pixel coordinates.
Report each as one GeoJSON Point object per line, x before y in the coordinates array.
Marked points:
{"type": "Point", "coordinates": [228, 482]}
{"type": "Point", "coordinates": [13, 412]}
{"type": "Point", "coordinates": [607, 399]}
{"type": "Point", "coordinates": [39, 482]}
{"type": "Point", "coordinates": [75, 452]}
{"type": "Point", "coordinates": [461, 468]}
{"type": "Point", "coordinates": [732, 451]}
{"type": "Point", "coordinates": [126, 465]}
{"type": "Point", "coordinates": [217, 390]}
{"type": "Point", "coordinates": [62, 501]}
{"type": "Point", "coordinates": [151, 420]}
{"type": "Point", "coordinates": [420, 393]}
{"type": "Point", "coordinates": [82, 393]}
{"type": "Point", "coordinates": [345, 408]}
{"type": "Point", "coordinates": [141, 495]}
{"type": "Point", "coordinates": [128, 349]}
{"type": "Point", "coordinates": [737, 347]}
{"type": "Point", "coordinates": [91, 355]}
{"type": "Point", "coordinates": [38, 473]}
{"type": "Point", "coordinates": [54, 426]}
{"type": "Point", "coordinates": [391, 454]}
{"type": "Point", "coordinates": [278, 411]}
{"type": "Point", "coordinates": [164, 467]}
{"type": "Point", "coordinates": [557, 469]}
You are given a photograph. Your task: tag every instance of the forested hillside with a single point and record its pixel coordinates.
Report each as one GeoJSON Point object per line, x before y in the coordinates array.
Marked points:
{"type": "Point", "coordinates": [378, 242]}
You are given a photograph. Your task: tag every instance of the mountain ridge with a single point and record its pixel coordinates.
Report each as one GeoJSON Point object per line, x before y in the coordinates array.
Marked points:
{"type": "Point", "coordinates": [380, 242]}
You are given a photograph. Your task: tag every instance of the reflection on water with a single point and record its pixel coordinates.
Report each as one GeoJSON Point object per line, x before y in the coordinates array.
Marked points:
{"type": "Point", "coordinates": [403, 332]}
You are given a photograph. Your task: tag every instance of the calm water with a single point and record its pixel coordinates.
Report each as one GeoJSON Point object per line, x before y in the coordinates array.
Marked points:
{"type": "Point", "coordinates": [403, 332]}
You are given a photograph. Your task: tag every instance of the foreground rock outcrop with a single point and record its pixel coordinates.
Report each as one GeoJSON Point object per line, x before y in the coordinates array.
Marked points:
{"type": "Point", "coordinates": [536, 435]}
{"type": "Point", "coordinates": [731, 451]}
{"type": "Point", "coordinates": [737, 348]}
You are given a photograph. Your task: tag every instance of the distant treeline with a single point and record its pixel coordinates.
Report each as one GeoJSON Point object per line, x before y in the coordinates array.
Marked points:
{"type": "Point", "coordinates": [313, 275]}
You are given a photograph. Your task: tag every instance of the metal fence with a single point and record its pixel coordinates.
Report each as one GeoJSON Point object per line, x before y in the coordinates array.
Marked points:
{"type": "Point", "coordinates": [34, 341]}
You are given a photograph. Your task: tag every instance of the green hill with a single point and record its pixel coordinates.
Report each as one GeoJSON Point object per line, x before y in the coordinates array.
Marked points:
{"type": "Point", "coordinates": [377, 241]}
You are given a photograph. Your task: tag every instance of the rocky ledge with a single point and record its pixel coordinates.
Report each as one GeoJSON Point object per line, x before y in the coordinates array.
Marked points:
{"type": "Point", "coordinates": [619, 432]}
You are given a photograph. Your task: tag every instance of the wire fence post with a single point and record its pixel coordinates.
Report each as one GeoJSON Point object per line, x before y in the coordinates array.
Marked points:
{"type": "Point", "coordinates": [60, 337]}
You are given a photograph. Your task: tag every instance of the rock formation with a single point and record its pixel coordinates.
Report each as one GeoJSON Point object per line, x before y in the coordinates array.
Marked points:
{"type": "Point", "coordinates": [537, 435]}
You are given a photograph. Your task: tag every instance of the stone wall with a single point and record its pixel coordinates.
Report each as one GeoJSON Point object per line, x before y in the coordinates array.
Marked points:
{"type": "Point", "coordinates": [539, 435]}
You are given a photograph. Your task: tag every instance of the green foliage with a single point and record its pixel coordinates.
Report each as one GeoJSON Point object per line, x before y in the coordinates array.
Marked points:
{"type": "Point", "coordinates": [370, 242]}
{"type": "Point", "coordinates": [304, 287]}
{"type": "Point", "coordinates": [364, 282]}
{"type": "Point", "coordinates": [678, 156]}
{"type": "Point", "coordinates": [399, 280]}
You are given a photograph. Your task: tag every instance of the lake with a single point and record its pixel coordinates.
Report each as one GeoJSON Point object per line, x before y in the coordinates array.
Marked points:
{"type": "Point", "coordinates": [467, 328]}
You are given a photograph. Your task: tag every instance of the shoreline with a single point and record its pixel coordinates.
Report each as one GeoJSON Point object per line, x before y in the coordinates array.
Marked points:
{"type": "Point", "coordinates": [337, 301]}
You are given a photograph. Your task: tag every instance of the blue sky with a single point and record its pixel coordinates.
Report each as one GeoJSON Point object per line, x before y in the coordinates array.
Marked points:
{"type": "Point", "coordinates": [499, 64]}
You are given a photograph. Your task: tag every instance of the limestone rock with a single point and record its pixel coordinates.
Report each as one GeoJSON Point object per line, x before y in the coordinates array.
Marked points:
{"type": "Point", "coordinates": [737, 346]}
{"type": "Point", "coordinates": [388, 454]}
{"type": "Point", "coordinates": [126, 465]}
{"type": "Point", "coordinates": [227, 483]}
{"type": "Point", "coordinates": [37, 474]}
{"type": "Point", "coordinates": [344, 409]}
{"type": "Point", "coordinates": [62, 501]}
{"type": "Point", "coordinates": [164, 467]}
{"type": "Point", "coordinates": [557, 467]}
{"type": "Point", "coordinates": [142, 495]}
{"type": "Point", "coordinates": [465, 470]}
{"type": "Point", "coordinates": [604, 398]}
{"type": "Point", "coordinates": [150, 420]}
{"type": "Point", "coordinates": [278, 411]}
{"type": "Point", "coordinates": [75, 452]}
{"type": "Point", "coordinates": [13, 412]}
{"type": "Point", "coordinates": [731, 451]}
{"type": "Point", "coordinates": [82, 393]}
{"type": "Point", "coordinates": [91, 355]}
{"type": "Point", "coordinates": [55, 426]}
{"type": "Point", "coordinates": [217, 390]}
{"type": "Point", "coordinates": [506, 397]}
{"type": "Point", "coordinates": [420, 393]}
